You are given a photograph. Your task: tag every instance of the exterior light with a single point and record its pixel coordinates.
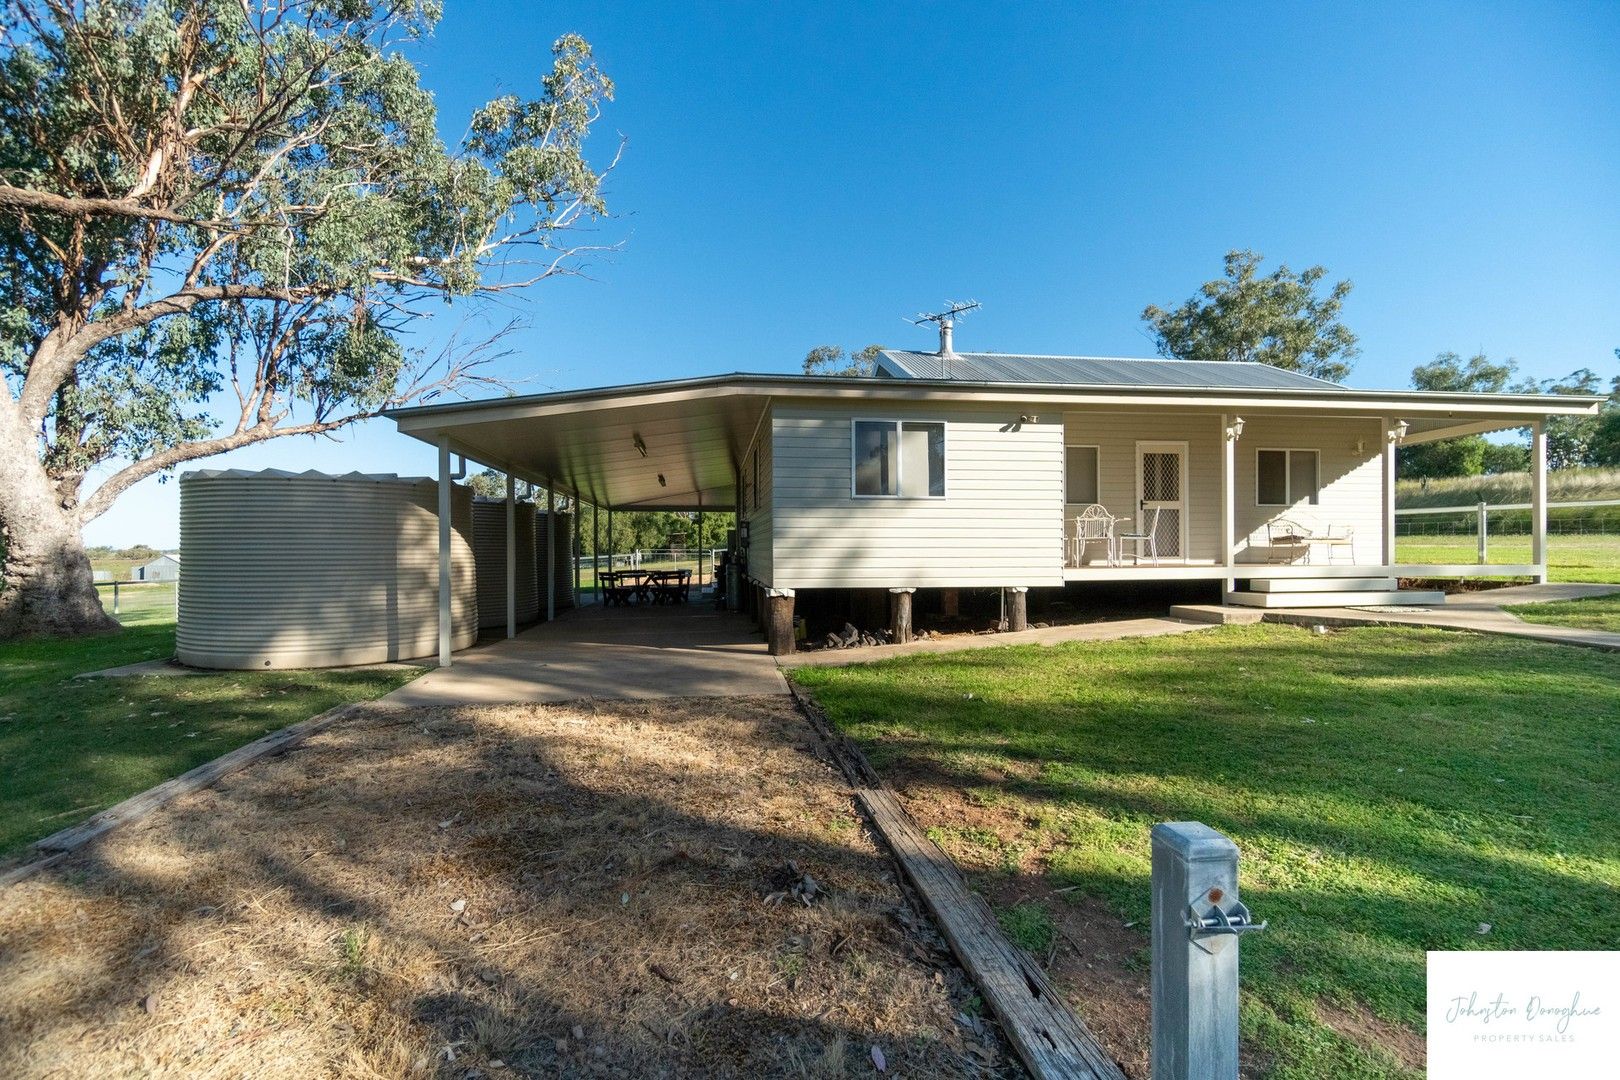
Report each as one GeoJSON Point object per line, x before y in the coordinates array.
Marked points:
{"type": "Point", "coordinates": [1398, 432]}
{"type": "Point", "coordinates": [1234, 430]}
{"type": "Point", "coordinates": [661, 481]}
{"type": "Point", "coordinates": [641, 447]}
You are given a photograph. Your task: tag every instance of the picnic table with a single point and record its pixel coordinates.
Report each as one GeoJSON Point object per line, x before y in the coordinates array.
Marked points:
{"type": "Point", "coordinates": [646, 586]}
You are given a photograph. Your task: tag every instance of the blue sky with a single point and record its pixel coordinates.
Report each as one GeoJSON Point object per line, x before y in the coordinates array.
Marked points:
{"type": "Point", "coordinates": [808, 176]}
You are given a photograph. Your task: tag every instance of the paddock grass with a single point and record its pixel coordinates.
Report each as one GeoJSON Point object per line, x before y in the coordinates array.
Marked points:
{"type": "Point", "coordinates": [1569, 558]}
{"type": "Point", "coordinates": [70, 747]}
{"type": "Point", "coordinates": [1392, 790]}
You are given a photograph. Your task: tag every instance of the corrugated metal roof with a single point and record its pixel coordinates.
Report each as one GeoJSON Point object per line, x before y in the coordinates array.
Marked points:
{"type": "Point", "coordinates": [1096, 371]}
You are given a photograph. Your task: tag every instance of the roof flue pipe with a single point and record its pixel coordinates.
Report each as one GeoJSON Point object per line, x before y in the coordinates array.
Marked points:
{"type": "Point", "coordinates": [945, 350]}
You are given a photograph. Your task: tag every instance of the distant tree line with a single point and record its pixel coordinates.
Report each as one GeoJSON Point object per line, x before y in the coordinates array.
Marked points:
{"type": "Point", "coordinates": [1572, 441]}
{"type": "Point", "coordinates": [1281, 319]}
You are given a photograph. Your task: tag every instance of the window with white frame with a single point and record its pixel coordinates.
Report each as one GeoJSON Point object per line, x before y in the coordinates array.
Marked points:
{"type": "Point", "coordinates": [899, 459]}
{"type": "Point", "coordinates": [1081, 486]}
{"type": "Point", "coordinates": [1287, 477]}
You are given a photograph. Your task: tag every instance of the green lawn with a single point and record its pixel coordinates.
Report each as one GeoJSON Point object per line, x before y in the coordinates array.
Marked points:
{"type": "Point", "coordinates": [70, 747]}
{"type": "Point", "coordinates": [1592, 613]}
{"type": "Point", "coordinates": [1569, 558]}
{"type": "Point", "coordinates": [1389, 789]}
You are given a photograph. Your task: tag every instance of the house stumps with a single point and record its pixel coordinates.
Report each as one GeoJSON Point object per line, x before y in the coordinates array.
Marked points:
{"type": "Point", "coordinates": [1016, 603]}
{"type": "Point", "coordinates": [778, 620]}
{"type": "Point", "coordinates": [900, 615]}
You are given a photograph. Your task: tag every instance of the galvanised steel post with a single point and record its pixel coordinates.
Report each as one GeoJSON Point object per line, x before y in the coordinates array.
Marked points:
{"type": "Point", "coordinates": [1197, 920]}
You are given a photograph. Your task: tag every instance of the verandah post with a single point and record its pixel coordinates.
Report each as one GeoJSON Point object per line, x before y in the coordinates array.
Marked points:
{"type": "Point", "coordinates": [1538, 500]}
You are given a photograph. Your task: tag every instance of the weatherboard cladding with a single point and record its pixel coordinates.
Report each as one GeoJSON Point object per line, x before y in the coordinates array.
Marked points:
{"type": "Point", "coordinates": [1095, 371]}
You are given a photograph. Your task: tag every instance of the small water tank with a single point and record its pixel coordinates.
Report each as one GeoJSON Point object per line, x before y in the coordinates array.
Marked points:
{"type": "Point", "coordinates": [563, 557]}
{"type": "Point", "coordinates": [288, 570]}
{"type": "Point", "coordinates": [489, 549]}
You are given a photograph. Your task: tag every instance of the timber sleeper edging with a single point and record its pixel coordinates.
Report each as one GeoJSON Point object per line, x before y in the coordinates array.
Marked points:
{"type": "Point", "coordinates": [1049, 1038]}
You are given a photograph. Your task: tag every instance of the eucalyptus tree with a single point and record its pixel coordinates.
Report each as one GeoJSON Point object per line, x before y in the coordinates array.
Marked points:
{"type": "Point", "coordinates": [207, 201]}
{"type": "Point", "coordinates": [1276, 318]}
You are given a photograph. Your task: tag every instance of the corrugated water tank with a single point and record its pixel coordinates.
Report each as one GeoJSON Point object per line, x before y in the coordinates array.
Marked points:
{"type": "Point", "coordinates": [288, 570]}
{"type": "Point", "coordinates": [489, 549]}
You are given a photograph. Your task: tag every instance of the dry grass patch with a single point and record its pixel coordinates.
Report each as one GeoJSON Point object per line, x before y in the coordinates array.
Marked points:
{"type": "Point", "coordinates": [617, 890]}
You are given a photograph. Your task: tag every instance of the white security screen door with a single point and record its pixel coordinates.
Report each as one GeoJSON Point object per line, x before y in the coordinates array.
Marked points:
{"type": "Point", "coordinates": [1161, 485]}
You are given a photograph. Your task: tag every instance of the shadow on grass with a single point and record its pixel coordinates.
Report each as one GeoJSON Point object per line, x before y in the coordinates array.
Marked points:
{"type": "Point", "coordinates": [466, 884]}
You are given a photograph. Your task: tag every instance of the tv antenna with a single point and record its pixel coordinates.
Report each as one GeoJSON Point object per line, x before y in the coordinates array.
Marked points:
{"type": "Point", "coordinates": [946, 321]}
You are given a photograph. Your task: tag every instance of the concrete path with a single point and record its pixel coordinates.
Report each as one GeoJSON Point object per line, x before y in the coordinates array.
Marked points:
{"type": "Point", "coordinates": [1049, 635]}
{"type": "Point", "coordinates": [679, 650]}
{"type": "Point", "coordinates": [1480, 612]}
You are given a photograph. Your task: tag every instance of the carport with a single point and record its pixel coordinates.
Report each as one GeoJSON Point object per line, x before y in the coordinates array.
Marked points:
{"type": "Point", "coordinates": [665, 446]}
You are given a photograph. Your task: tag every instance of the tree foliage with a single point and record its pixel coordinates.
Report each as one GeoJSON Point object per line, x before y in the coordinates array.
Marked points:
{"type": "Point", "coordinates": [1581, 440]}
{"type": "Point", "coordinates": [1466, 455]}
{"type": "Point", "coordinates": [204, 196]}
{"type": "Point", "coordinates": [833, 360]}
{"type": "Point", "coordinates": [1277, 319]}
{"type": "Point", "coordinates": [210, 207]}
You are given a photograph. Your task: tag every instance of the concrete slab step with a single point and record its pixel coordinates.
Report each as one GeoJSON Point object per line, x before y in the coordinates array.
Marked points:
{"type": "Point", "coordinates": [1368, 598]}
{"type": "Point", "coordinates": [1216, 614]}
{"type": "Point", "coordinates": [1333, 584]}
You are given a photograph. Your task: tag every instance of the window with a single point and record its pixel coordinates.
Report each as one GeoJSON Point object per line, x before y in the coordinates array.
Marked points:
{"type": "Point", "coordinates": [1080, 483]}
{"type": "Point", "coordinates": [899, 458]}
{"type": "Point", "coordinates": [1287, 477]}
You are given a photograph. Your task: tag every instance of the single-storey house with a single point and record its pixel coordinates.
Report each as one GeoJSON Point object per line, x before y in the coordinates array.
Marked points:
{"type": "Point", "coordinates": [983, 470]}
{"type": "Point", "coordinates": [165, 567]}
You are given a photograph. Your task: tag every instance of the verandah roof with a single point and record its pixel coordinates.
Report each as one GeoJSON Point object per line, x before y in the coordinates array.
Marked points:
{"type": "Point", "coordinates": [695, 432]}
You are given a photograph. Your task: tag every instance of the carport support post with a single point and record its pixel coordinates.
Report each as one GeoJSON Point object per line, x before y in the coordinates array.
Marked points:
{"type": "Point", "coordinates": [444, 551]}
{"type": "Point", "coordinates": [511, 556]}
{"type": "Point", "coordinates": [1538, 499]}
{"type": "Point", "coordinates": [778, 620]}
{"type": "Point", "coordinates": [1017, 598]}
{"type": "Point", "coordinates": [551, 552]}
{"type": "Point", "coordinates": [900, 615]}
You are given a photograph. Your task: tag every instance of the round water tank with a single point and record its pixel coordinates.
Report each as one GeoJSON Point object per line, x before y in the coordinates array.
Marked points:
{"type": "Point", "coordinates": [489, 551]}
{"type": "Point", "coordinates": [563, 554]}
{"type": "Point", "coordinates": [287, 570]}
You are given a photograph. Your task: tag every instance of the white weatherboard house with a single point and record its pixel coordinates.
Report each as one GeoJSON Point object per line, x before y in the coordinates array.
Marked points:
{"type": "Point", "coordinates": [982, 470]}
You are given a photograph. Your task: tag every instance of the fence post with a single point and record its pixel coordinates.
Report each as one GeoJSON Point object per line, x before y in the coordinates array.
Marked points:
{"type": "Point", "coordinates": [1197, 920]}
{"type": "Point", "coordinates": [115, 598]}
{"type": "Point", "coordinates": [1482, 532]}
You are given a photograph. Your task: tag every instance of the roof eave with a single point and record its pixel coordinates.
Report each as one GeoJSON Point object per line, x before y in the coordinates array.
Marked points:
{"type": "Point", "coordinates": [811, 386]}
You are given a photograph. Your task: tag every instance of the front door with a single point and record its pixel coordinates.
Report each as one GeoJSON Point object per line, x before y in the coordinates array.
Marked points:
{"type": "Point", "coordinates": [1161, 496]}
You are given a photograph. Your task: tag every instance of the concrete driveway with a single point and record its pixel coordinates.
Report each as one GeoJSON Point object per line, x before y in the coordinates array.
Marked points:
{"type": "Point", "coordinates": [646, 651]}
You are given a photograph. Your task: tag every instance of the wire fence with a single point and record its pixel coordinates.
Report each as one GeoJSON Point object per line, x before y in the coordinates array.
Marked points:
{"type": "Point", "coordinates": [1590, 517]}
{"type": "Point", "coordinates": [138, 603]}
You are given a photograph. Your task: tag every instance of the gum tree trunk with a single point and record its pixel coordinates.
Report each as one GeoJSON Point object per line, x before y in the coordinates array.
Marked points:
{"type": "Point", "coordinates": [46, 586]}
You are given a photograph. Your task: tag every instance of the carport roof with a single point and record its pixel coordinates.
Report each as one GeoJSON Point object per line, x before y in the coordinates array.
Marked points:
{"type": "Point", "coordinates": [678, 444]}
